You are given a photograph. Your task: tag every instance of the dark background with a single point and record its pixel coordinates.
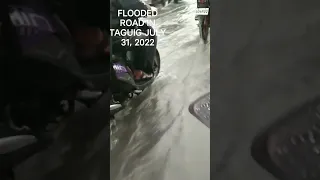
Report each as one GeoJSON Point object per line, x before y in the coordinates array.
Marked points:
{"type": "Point", "coordinates": [265, 61]}
{"type": "Point", "coordinates": [78, 152]}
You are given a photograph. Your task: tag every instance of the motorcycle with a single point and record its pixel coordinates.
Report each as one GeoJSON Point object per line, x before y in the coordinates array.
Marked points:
{"type": "Point", "coordinates": [203, 17]}
{"type": "Point", "coordinates": [124, 86]}
{"type": "Point", "coordinates": [123, 83]}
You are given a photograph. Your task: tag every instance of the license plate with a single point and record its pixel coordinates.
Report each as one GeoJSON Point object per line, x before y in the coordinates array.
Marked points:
{"type": "Point", "coordinates": [202, 1]}
{"type": "Point", "coordinates": [202, 11]}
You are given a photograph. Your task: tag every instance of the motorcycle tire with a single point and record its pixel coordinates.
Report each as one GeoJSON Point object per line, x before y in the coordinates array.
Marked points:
{"type": "Point", "coordinates": [203, 29]}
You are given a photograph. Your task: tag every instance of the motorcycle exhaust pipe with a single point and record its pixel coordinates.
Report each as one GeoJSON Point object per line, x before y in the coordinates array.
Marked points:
{"type": "Point", "coordinates": [114, 107]}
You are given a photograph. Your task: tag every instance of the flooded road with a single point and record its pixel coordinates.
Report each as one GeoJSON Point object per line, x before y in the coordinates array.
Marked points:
{"type": "Point", "coordinates": [157, 137]}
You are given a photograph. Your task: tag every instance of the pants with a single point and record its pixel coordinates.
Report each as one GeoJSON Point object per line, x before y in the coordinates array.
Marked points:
{"type": "Point", "coordinates": [143, 56]}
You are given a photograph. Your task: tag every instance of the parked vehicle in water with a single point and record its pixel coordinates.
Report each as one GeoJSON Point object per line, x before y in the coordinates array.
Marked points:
{"type": "Point", "coordinates": [124, 85]}
{"type": "Point", "coordinates": [203, 17]}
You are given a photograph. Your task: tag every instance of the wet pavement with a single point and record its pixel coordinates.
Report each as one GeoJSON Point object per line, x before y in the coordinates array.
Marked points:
{"type": "Point", "coordinates": [157, 137]}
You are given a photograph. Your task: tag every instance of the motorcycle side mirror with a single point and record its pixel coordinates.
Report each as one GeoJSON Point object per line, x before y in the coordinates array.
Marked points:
{"type": "Point", "coordinates": [201, 109]}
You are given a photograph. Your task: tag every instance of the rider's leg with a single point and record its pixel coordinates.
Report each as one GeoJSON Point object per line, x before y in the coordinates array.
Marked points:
{"type": "Point", "coordinates": [151, 49]}
{"type": "Point", "coordinates": [143, 58]}
{"type": "Point", "coordinates": [140, 55]}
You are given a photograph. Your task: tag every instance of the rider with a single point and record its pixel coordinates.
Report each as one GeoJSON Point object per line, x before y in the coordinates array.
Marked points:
{"type": "Point", "coordinates": [143, 56]}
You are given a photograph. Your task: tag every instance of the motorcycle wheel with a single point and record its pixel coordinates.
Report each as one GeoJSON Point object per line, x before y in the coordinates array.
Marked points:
{"type": "Point", "coordinates": [204, 29]}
